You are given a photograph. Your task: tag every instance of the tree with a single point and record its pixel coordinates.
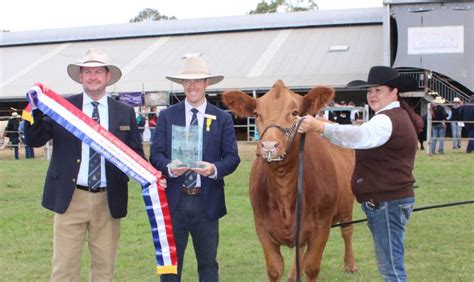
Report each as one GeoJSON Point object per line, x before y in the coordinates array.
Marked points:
{"type": "Point", "coordinates": [285, 5]}
{"type": "Point", "coordinates": [265, 8]}
{"type": "Point", "coordinates": [150, 15]}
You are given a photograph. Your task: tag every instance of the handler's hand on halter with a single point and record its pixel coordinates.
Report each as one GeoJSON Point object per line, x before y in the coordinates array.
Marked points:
{"type": "Point", "coordinates": [310, 124]}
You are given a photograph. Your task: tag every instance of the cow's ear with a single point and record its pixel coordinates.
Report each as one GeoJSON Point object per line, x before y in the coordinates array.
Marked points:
{"type": "Point", "coordinates": [240, 103]}
{"type": "Point", "coordinates": [317, 98]}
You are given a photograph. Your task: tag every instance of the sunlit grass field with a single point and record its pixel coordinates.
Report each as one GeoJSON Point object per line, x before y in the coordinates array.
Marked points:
{"type": "Point", "coordinates": [439, 242]}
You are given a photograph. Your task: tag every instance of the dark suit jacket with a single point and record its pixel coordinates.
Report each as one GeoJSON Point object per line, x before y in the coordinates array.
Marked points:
{"type": "Point", "coordinates": [66, 157]}
{"type": "Point", "coordinates": [219, 148]}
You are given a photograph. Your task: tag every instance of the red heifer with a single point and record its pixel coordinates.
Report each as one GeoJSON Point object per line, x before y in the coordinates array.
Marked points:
{"type": "Point", "coordinates": [328, 168]}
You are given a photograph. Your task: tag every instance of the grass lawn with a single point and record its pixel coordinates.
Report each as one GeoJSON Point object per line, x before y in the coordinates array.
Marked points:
{"type": "Point", "coordinates": [439, 243]}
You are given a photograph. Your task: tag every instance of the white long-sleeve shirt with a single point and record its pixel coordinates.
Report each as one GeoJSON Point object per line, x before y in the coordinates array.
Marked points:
{"type": "Point", "coordinates": [371, 134]}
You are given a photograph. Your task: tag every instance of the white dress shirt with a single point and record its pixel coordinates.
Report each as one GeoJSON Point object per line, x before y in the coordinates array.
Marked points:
{"type": "Point", "coordinates": [87, 108]}
{"type": "Point", "coordinates": [371, 134]}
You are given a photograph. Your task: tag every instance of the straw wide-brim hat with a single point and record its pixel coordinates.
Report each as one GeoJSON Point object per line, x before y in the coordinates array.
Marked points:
{"type": "Point", "coordinates": [195, 68]}
{"type": "Point", "coordinates": [94, 58]}
{"type": "Point", "coordinates": [439, 100]}
{"type": "Point", "coordinates": [382, 75]}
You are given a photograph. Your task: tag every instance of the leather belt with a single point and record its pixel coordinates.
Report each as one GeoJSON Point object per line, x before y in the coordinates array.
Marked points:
{"type": "Point", "coordinates": [373, 204]}
{"type": "Point", "coordinates": [88, 189]}
{"type": "Point", "coordinates": [191, 191]}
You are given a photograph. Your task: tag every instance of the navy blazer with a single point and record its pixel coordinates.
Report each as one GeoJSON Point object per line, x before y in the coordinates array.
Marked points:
{"type": "Point", "coordinates": [66, 157]}
{"type": "Point", "coordinates": [219, 148]}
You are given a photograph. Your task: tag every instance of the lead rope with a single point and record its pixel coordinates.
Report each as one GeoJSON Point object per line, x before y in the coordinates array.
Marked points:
{"type": "Point", "coordinates": [299, 202]}
{"type": "Point", "coordinates": [344, 224]}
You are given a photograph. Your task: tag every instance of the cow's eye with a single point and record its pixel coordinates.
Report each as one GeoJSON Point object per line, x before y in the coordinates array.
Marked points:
{"type": "Point", "coordinates": [255, 114]}
{"type": "Point", "coordinates": [295, 113]}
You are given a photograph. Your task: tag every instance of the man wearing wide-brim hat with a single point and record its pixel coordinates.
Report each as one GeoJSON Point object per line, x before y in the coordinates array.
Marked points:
{"type": "Point", "coordinates": [196, 192]}
{"type": "Point", "coordinates": [385, 149]}
{"type": "Point", "coordinates": [439, 100]}
{"type": "Point", "coordinates": [439, 116]}
{"type": "Point", "coordinates": [87, 193]}
{"type": "Point", "coordinates": [456, 122]}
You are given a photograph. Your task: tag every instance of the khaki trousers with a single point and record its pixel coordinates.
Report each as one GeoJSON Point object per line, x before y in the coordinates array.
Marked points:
{"type": "Point", "coordinates": [86, 219]}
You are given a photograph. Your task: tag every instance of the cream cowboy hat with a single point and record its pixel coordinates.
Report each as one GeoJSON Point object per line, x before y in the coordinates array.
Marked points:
{"type": "Point", "coordinates": [439, 100]}
{"type": "Point", "coordinates": [14, 114]}
{"type": "Point", "coordinates": [94, 58]}
{"type": "Point", "coordinates": [195, 68]}
{"type": "Point", "coordinates": [456, 100]}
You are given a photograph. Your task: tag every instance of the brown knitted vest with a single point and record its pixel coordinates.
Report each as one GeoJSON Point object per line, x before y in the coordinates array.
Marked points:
{"type": "Point", "coordinates": [385, 173]}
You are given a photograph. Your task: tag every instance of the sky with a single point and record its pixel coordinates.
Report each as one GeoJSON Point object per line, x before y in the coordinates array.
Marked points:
{"type": "Point", "coordinates": [20, 15]}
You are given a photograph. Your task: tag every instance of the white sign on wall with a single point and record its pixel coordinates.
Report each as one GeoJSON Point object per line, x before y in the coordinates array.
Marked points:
{"type": "Point", "coordinates": [435, 40]}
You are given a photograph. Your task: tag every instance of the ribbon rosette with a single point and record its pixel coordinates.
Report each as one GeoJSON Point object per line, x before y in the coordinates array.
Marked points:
{"type": "Point", "coordinates": [209, 119]}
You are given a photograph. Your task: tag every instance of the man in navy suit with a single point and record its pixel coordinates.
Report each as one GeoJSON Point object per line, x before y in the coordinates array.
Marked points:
{"type": "Point", "coordinates": [196, 195]}
{"type": "Point", "coordinates": [84, 208]}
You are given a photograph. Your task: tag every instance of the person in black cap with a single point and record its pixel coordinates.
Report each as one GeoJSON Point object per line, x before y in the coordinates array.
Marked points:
{"type": "Point", "coordinates": [385, 149]}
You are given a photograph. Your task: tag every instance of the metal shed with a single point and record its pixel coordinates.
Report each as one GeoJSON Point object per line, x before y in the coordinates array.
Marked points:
{"type": "Point", "coordinates": [252, 52]}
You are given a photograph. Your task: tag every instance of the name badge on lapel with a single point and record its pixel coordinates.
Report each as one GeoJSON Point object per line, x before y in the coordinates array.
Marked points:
{"type": "Point", "coordinates": [124, 128]}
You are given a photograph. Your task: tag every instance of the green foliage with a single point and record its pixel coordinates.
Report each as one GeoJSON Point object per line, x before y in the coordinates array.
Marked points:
{"type": "Point", "coordinates": [274, 5]}
{"type": "Point", "coordinates": [438, 242]}
{"type": "Point", "coordinates": [150, 15]}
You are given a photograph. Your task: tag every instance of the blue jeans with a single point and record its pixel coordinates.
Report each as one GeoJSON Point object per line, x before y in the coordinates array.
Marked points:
{"type": "Point", "coordinates": [387, 225]}
{"type": "Point", "coordinates": [29, 152]}
{"type": "Point", "coordinates": [190, 217]}
{"type": "Point", "coordinates": [152, 133]}
{"type": "Point", "coordinates": [456, 132]}
{"type": "Point", "coordinates": [439, 131]}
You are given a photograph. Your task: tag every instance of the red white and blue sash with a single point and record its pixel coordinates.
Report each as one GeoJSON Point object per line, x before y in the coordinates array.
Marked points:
{"type": "Point", "coordinates": [124, 158]}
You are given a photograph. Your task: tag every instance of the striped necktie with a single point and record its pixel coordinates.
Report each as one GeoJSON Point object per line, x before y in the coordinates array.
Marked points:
{"type": "Point", "coordinates": [94, 176]}
{"type": "Point", "coordinates": [190, 176]}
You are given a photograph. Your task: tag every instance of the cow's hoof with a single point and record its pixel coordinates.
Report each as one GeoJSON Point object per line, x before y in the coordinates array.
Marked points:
{"type": "Point", "coordinates": [350, 269]}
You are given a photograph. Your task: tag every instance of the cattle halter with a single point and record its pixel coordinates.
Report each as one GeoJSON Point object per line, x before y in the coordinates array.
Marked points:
{"type": "Point", "coordinates": [290, 137]}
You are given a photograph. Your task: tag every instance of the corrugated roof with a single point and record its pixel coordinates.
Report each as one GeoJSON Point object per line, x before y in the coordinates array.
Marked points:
{"type": "Point", "coordinates": [195, 26]}
{"type": "Point", "coordinates": [251, 58]}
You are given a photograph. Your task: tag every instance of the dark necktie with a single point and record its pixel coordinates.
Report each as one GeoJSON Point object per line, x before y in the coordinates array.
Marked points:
{"type": "Point", "coordinates": [190, 176]}
{"type": "Point", "coordinates": [94, 176]}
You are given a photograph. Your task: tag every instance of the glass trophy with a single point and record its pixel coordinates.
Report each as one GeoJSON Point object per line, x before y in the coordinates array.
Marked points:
{"type": "Point", "coordinates": [186, 146]}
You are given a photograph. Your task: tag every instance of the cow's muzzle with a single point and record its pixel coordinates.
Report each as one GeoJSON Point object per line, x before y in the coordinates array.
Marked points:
{"type": "Point", "coordinates": [269, 149]}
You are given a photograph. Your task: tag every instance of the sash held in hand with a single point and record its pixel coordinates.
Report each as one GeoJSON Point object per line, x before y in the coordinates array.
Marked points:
{"type": "Point", "coordinates": [124, 158]}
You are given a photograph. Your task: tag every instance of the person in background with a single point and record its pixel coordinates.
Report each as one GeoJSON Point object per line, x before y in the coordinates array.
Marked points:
{"type": "Point", "coordinates": [422, 133]}
{"type": "Point", "coordinates": [467, 115]}
{"type": "Point", "coordinates": [356, 115]}
{"type": "Point", "coordinates": [12, 132]}
{"type": "Point", "coordinates": [343, 117]}
{"type": "Point", "coordinates": [29, 151]}
{"type": "Point", "coordinates": [152, 117]}
{"type": "Point", "coordinates": [87, 194]}
{"type": "Point", "coordinates": [330, 115]}
{"type": "Point", "coordinates": [438, 117]}
{"type": "Point", "coordinates": [141, 122]}
{"type": "Point", "coordinates": [196, 196]}
{"type": "Point", "coordinates": [385, 148]}
{"type": "Point", "coordinates": [456, 124]}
